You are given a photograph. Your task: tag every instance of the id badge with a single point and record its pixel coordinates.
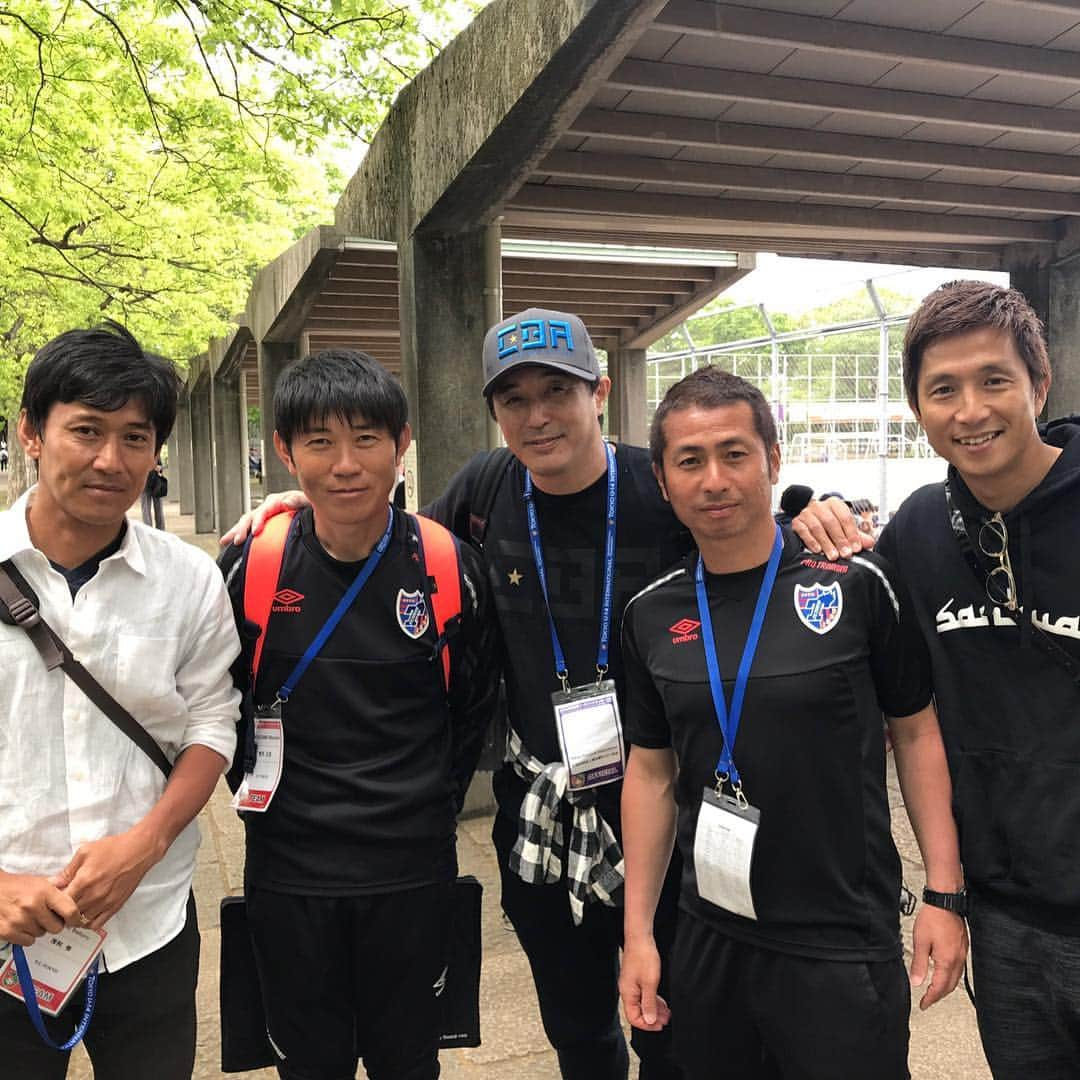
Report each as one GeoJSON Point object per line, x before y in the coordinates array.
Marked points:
{"type": "Point", "coordinates": [590, 734]}
{"type": "Point", "coordinates": [257, 789]}
{"type": "Point", "coordinates": [58, 964]}
{"type": "Point", "coordinates": [724, 851]}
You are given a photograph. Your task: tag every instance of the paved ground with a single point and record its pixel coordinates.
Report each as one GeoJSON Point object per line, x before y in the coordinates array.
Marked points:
{"type": "Point", "coordinates": [944, 1044]}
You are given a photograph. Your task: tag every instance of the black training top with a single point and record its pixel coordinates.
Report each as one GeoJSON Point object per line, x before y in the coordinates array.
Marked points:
{"type": "Point", "coordinates": [1007, 686]}
{"type": "Point", "coordinates": [648, 539]}
{"type": "Point", "coordinates": [377, 754]}
{"type": "Point", "coordinates": [810, 748]}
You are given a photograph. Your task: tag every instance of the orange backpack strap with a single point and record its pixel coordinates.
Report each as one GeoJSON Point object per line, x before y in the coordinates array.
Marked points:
{"type": "Point", "coordinates": [441, 562]}
{"type": "Point", "coordinates": [265, 553]}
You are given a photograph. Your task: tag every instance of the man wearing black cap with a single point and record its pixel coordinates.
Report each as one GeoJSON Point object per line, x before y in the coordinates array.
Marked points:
{"type": "Point", "coordinates": [571, 528]}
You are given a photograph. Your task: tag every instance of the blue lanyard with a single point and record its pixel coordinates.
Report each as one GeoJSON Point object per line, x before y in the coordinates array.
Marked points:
{"type": "Point", "coordinates": [729, 720]}
{"type": "Point", "coordinates": [607, 601]}
{"type": "Point", "coordinates": [344, 604]}
{"type": "Point", "coordinates": [26, 984]}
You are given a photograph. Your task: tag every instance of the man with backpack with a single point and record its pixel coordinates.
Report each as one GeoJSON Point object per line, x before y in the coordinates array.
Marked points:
{"type": "Point", "coordinates": [370, 679]}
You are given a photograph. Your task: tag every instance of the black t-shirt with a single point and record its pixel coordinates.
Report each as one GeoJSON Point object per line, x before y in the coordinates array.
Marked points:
{"type": "Point", "coordinates": [810, 746]}
{"type": "Point", "coordinates": [376, 750]}
{"type": "Point", "coordinates": [573, 527]}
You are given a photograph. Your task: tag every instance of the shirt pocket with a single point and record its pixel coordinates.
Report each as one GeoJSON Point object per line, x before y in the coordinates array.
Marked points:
{"type": "Point", "coordinates": [146, 676]}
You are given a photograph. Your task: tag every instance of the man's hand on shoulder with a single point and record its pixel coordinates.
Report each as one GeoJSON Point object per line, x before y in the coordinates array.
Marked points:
{"type": "Point", "coordinates": [830, 528]}
{"type": "Point", "coordinates": [253, 521]}
{"type": "Point", "coordinates": [31, 906]}
{"type": "Point", "coordinates": [104, 873]}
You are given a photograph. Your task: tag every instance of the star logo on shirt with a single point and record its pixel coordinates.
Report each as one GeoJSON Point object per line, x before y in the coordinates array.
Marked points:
{"type": "Point", "coordinates": [514, 577]}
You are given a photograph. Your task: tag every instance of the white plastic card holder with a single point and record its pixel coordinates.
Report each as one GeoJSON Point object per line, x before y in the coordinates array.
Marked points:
{"type": "Point", "coordinates": [590, 734]}
{"type": "Point", "coordinates": [724, 852]}
{"type": "Point", "coordinates": [257, 789]}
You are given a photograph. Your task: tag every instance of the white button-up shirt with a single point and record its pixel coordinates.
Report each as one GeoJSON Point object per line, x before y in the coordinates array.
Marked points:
{"type": "Point", "coordinates": [155, 628]}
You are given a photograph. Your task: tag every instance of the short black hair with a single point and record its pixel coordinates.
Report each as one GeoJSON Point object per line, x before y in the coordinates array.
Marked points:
{"type": "Point", "coordinates": [103, 368]}
{"type": "Point", "coordinates": [338, 382]}
{"type": "Point", "coordinates": [709, 388]}
{"type": "Point", "coordinates": [958, 307]}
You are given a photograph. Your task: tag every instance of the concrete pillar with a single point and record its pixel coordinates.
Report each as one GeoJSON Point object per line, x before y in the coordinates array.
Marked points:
{"type": "Point", "coordinates": [1063, 327]}
{"type": "Point", "coordinates": [627, 404]}
{"type": "Point", "coordinates": [273, 357]}
{"type": "Point", "coordinates": [183, 471]}
{"type": "Point", "coordinates": [443, 322]}
{"type": "Point", "coordinates": [1033, 280]}
{"type": "Point", "coordinates": [230, 463]}
{"type": "Point", "coordinates": [202, 457]}
{"type": "Point", "coordinates": [245, 444]}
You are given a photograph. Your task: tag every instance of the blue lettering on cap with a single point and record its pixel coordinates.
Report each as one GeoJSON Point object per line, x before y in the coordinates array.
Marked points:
{"type": "Point", "coordinates": [558, 328]}
{"type": "Point", "coordinates": [533, 335]}
{"type": "Point", "coordinates": [507, 340]}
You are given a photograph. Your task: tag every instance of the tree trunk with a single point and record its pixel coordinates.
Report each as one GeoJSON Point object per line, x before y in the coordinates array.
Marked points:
{"type": "Point", "coordinates": [20, 474]}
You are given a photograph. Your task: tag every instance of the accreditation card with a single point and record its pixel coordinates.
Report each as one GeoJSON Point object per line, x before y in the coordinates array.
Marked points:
{"type": "Point", "coordinates": [590, 734]}
{"type": "Point", "coordinates": [58, 964]}
{"type": "Point", "coordinates": [724, 850]}
{"type": "Point", "coordinates": [256, 791]}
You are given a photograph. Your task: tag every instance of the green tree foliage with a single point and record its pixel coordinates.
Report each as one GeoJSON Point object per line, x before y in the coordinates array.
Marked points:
{"type": "Point", "coordinates": [155, 153]}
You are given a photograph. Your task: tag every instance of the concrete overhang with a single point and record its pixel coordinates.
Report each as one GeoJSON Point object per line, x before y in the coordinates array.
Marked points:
{"type": "Point", "coordinates": [927, 134]}
{"type": "Point", "coordinates": [330, 290]}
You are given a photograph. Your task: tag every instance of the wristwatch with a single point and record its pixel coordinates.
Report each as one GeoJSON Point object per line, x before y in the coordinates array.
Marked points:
{"type": "Point", "coordinates": [956, 902]}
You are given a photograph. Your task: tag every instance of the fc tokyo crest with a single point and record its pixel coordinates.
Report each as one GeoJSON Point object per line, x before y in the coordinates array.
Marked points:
{"type": "Point", "coordinates": [412, 613]}
{"type": "Point", "coordinates": [819, 606]}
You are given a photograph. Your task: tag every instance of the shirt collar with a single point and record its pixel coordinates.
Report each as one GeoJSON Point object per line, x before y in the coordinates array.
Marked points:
{"type": "Point", "coordinates": [15, 535]}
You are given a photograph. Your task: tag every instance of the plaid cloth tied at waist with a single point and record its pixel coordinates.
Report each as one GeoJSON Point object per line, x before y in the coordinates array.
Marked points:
{"type": "Point", "coordinates": [594, 860]}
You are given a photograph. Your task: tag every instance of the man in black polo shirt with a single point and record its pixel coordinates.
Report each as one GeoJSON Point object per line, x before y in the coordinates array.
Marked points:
{"type": "Point", "coordinates": [349, 869]}
{"type": "Point", "coordinates": [787, 960]}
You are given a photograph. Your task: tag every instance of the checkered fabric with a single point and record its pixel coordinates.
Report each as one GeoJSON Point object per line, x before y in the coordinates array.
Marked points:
{"type": "Point", "coordinates": [594, 860]}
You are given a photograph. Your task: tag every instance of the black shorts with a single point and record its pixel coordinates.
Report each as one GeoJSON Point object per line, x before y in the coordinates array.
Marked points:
{"type": "Point", "coordinates": [745, 1012]}
{"type": "Point", "coordinates": [348, 978]}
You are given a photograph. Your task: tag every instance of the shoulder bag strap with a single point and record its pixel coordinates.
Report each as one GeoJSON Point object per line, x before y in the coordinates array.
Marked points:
{"type": "Point", "coordinates": [440, 560]}
{"type": "Point", "coordinates": [13, 591]}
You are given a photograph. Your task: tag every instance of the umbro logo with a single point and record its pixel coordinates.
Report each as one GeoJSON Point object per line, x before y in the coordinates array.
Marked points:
{"type": "Point", "coordinates": [685, 630]}
{"type": "Point", "coordinates": [287, 600]}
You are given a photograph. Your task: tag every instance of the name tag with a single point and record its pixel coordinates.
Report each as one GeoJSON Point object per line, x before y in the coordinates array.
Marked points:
{"type": "Point", "coordinates": [58, 964]}
{"type": "Point", "coordinates": [724, 851]}
{"type": "Point", "coordinates": [590, 734]}
{"type": "Point", "coordinates": [256, 791]}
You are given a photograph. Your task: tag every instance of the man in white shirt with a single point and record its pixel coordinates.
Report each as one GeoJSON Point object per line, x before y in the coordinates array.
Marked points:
{"type": "Point", "coordinates": [91, 833]}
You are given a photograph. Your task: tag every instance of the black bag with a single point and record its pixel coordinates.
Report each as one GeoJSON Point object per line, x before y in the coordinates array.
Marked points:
{"type": "Point", "coordinates": [244, 1042]}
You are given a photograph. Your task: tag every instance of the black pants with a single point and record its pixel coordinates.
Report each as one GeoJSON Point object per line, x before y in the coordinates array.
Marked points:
{"type": "Point", "coordinates": [747, 1013]}
{"type": "Point", "coordinates": [143, 1026]}
{"type": "Point", "coordinates": [345, 978]}
{"type": "Point", "coordinates": [576, 969]}
{"type": "Point", "coordinates": [1027, 989]}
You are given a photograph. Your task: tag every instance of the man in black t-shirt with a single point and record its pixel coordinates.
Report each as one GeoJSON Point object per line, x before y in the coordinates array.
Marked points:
{"type": "Point", "coordinates": [787, 960]}
{"type": "Point", "coordinates": [349, 868]}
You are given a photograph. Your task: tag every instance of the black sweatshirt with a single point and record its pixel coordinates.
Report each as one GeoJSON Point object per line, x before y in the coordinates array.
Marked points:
{"type": "Point", "coordinates": [1010, 710]}
{"type": "Point", "coordinates": [377, 752]}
